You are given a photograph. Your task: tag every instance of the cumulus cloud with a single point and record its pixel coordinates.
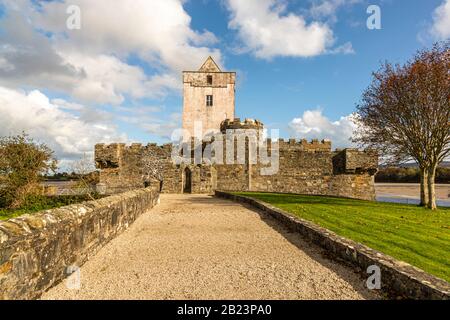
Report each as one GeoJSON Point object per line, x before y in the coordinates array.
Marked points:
{"type": "Point", "coordinates": [108, 80]}
{"type": "Point", "coordinates": [267, 30]}
{"type": "Point", "coordinates": [124, 52]}
{"type": "Point", "coordinates": [91, 64]}
{"type": "Point", "coordinates": [159, 31]}
{"type": "Point", "coordinates": [314, 125]}
{"type": "Point", "coordinates": [441, 21]}
{"type": "Point", "coordinates": [70, 135]}
{"type": "Point", "coordinates": [27, 57]}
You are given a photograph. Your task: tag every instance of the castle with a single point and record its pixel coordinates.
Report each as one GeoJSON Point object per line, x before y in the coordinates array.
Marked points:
{"type": "Point", "coordinates": [209, 99]}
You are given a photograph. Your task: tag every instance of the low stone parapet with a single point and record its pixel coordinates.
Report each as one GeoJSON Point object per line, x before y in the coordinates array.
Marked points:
{"type": "Point", "coordinates": [397, 278]}
{"type": "Point", "coordinates": [38, 251]}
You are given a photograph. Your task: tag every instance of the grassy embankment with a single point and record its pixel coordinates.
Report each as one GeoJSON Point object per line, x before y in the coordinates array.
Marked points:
{"type": "Point", "coordinates": [409, 233]}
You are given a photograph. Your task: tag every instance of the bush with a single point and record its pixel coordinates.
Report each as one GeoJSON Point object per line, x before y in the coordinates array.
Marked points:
{"type": "Point", "coordinates": [23, 162]}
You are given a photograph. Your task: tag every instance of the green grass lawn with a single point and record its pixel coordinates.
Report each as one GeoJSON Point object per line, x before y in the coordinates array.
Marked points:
{"type": "Point", "coordinates": [409, 233]}
{"type": "Point", "coordinates": [39, 203]}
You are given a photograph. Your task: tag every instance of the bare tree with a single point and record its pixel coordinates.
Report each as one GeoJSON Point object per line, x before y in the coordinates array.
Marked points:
{"type": "Point", "coordinates": [153, 165]}
{"type": "Point", "coordinates": [405, 114]}
{"type": "Point", "coordinates": [86, 174]}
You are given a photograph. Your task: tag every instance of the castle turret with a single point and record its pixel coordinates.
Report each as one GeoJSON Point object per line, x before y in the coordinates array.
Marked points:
{"type": "Point", "coordinates": [237, 124]}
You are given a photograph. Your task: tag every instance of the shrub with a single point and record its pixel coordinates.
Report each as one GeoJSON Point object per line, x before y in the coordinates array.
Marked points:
{"type": "Point", "coordinates": [23, 162]}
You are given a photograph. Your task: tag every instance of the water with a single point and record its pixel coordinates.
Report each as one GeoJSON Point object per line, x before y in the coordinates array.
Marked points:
{"type": "Point", "coordinates": [415, 201]}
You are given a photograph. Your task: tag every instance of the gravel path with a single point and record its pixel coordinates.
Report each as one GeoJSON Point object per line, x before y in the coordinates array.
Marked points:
{"type": "Point", "coordinates": [200, 247]}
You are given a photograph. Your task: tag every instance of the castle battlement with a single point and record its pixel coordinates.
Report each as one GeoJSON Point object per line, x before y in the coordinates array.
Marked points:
{"type": "Point", "coordinates": [355, 161]}
{"type": "Point", "coordinates": [115, 155]}
{"type": "Point", "coordinates": [304, 145]}
{"type": "Point", "coordinates": [129, 147]}
{"type": "Point", "coordinates": [348, 160]}
{"type": "Point", "coordinates": [237, 124]}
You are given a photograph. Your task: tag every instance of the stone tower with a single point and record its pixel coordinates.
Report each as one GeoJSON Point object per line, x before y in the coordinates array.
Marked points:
{"type": "Point", "coordinates": [208, 97]}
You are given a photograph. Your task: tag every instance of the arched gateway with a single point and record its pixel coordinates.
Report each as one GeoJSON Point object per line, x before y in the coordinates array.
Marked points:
{"type": "Point", "coordinates": [187, 180]}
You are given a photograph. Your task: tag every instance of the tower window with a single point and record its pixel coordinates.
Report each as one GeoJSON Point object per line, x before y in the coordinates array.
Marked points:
{"type": "Point", "coordinates": [209, 101]}
{"type": "Point", "coordinates": [209, 80]}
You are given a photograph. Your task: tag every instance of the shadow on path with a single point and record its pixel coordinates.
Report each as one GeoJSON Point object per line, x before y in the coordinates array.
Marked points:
{"type": "Point", "coordinates": [312, 250]}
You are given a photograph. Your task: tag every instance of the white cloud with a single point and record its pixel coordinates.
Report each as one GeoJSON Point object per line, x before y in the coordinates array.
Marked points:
{"type": "Point", "coordinates": [159, 31]}
{"type": "Point", "coordinates": [109, 79]}
{"type": "Point", "coordinates": [28, 58]}
{"type": "Point", "coordinates": [346, 48]}
{"type": "Point", "coordinates": [92, 64]}
{"type": "Point", "coordinates": [441, 21]}
{"type": "Point", "coordinates": [314, 125]}
{"type": "Point", "coordinates": [266, 29]}
{"type": "Point", "coordinates": [68, 134]}
{"type": "Point", "coordinates": [328, 8]}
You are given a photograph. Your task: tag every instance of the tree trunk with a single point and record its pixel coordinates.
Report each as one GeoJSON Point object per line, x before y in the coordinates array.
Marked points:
{"type": "Point", "coordinates": [423, 187]}
{"type": "Point", "coordinates": [431, 188]}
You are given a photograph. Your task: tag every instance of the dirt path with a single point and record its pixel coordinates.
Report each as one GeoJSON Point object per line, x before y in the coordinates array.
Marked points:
{"type": "Point", "coordinates": [199, 247]}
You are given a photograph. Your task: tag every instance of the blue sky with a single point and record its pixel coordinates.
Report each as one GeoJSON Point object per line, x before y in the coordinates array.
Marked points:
{"type": "Point", "coordinates": [302, 64]}
{"type": "Point", "coordinates": [280, 89]}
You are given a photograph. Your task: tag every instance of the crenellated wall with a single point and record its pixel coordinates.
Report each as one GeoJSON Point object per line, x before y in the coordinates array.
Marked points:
{"type": "Point", "coordinates": [121, 167]}
{"type": "Point", "coordinates": [307, 168]}
{"type": "Point", "coordinates": [304, 167]}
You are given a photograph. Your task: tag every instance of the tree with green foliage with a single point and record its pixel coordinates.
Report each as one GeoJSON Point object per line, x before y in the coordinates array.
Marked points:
{"type": "Point", "coordinates": [23, 162]}
{"type": "Point", "coordinates": [405, 114]}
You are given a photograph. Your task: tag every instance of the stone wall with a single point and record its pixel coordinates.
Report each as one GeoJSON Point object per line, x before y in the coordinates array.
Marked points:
{"type": "Point", "coordinates": [301, 171]}
{"type": "Point", "coordinates": [122, 167]}
{"type": "Point", "coordinates": [307, 168]}
{"type": "Point", "coordinates": [37, 250]}
{"type": "Point", "coordinates": [352, 161]}
{"type": "Point", "coordinates": [304, 167]}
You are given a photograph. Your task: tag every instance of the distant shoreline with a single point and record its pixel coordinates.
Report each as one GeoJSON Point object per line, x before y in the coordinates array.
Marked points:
{"type": "Point", "coordinates": [407, 183]}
